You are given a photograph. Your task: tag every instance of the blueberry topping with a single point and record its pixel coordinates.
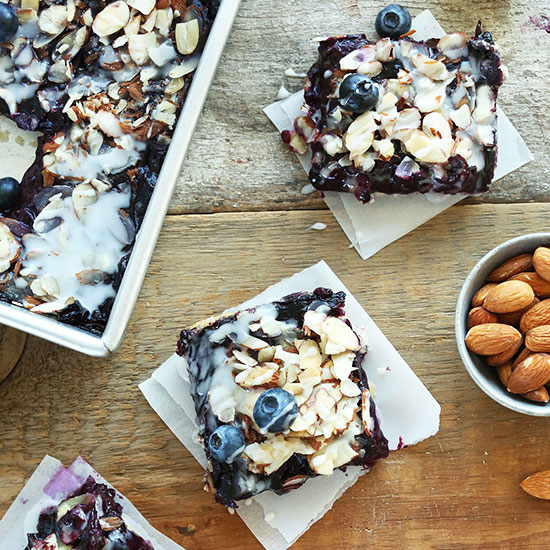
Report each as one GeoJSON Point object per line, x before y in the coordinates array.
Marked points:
{"type": "Point", "coordinates": [9, 193]}
{"type": "Point", "coordinates": [393, 21]}
{"type": "Point", "coordinates": [275, 410]}
{"type": "Point", "coordinates": [225, 443]}
{"type": "Point", "coordinates": [358, 93]}
{"type": "Point", "coordinates": [8, 22]}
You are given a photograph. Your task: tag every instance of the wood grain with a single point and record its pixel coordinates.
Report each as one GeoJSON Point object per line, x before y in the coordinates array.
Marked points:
{"type": "Point", "coordinates": [459, 489]}
{"type": "Point", "coordinates": [12, 343]}
{"type": "Point", "coordinates": [237, 160]}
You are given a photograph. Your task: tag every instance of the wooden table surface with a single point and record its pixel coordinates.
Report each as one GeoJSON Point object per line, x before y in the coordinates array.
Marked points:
{"type": "Point", "coordinates": [237, 196]}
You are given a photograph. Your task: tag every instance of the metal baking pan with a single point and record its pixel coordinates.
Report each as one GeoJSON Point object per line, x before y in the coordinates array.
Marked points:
{"type": "Point", "coordinates": [100, 346]}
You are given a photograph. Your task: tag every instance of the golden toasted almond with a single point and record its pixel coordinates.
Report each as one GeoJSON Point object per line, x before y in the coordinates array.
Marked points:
{"type": "Point", "coordinates": [540, 395]}
{"type": "Point", "coordinates": [492, 338]}
{"type": "Point", "coordinates": [530, 374]}
{"type": "Point", "coordinates": [538, 338]}
{"type": "Point", "coordinates": [504, 372]}
{"type": "Point", "coordinates": [540, 287]}
{"type": "Point", "coordinates": [536, 316]}
{"type": "Point", "coordinates": [480, 316]}
{"type": "Point", "coordinates": [509, 296]}
{"type": "Point", "coordinates": [541, 262]}
{"type": "Point", "coordinates": [514, 317]}
{"type": "Point", "coordinates": [523, 354]}
{"type": "Point", "coordinates": [481, 294]}
{"type": "Point", "coordinates": [505, 356]}
{"type": "Point", "coordinates": [511, 267]}
{"type": "Point", "coordinates": [537, 485]}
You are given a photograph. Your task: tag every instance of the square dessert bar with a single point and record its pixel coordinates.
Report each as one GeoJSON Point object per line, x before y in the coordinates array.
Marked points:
{"type": "Point", "coordinates": [89, 519]}
{"type": "Point", "coordinates": [401, 116]}
{"type": "Point", "coordinates": [280, 395]}
{"type": "Point", "coordinates": [104, 83]}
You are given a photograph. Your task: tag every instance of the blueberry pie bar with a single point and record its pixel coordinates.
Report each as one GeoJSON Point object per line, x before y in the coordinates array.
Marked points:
{"type": "Point", "coordinates": [89, 519]}
{"type": "Point", "coordinates": [280, 395]}
{"type": "Point", "coordinates": [399, 116]}
{"type": "Point", "coordinates": [104, 83]}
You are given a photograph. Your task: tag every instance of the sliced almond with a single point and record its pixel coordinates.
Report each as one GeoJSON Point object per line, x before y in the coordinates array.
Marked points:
{"type": "Point", "coordinates": [111, 19]}
{"type": "Point", "coordinates": [143, 6]}
{"type": "Point", "coordinates": [187, 36]}
{"type": "Point", "coordinates": [340, 333]}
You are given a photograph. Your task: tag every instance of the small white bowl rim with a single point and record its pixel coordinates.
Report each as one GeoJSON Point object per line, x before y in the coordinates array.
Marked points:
{"type": "Point", "coordinates": [498, 394]}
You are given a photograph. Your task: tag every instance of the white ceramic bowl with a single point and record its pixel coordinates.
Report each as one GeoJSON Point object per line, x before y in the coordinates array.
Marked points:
{"type": "Point", "coordinates": [484, 375]}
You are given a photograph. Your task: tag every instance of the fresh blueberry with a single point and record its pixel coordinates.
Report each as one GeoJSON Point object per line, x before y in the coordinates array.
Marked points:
{"type": "Point", "coordinates": [226, 442]}
{"type": "Point", "coordinates": [9, 193]}
{"type": "Point", "coordinates": [393, 21]}
{"type": "Point", "coordinates": [8, 22]}
{"type": "Point", "coordinates": [275, 410]}
{"type": "Point", "coordinates": [358, 93]}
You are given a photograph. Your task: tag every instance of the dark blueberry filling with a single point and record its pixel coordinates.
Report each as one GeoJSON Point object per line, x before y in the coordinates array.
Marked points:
{"type": "Point", "coordinates": [19, 210]}
{"type": "Point", "coordinates": [223, 477]}
{"type": "Point", "coordinates": [88, 525]}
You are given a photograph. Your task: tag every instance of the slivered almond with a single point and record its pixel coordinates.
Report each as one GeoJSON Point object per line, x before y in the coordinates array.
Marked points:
{"type": "Point", "coordinates": [537, 485]}
{"type": "Point", "coordinates": [514, 317]}
{"type": "Point", "coordinates": [480, 316]}
{"type": "Point", "coordinates": [505, 356]}
{"type": "Point", "coordinates": [493, 338]}
{"type": "Point", "coordinates": [511, 267]}
{"type": "Point", "coordinates": [504, 372]}
{"type": "Point", "coordinates": [481, 294]}
{"type": "Point", "coordinates": [540, 287]}
{"type": "Point", "coordinates": [541, 262]}
{"type": "Point", "coordinates": [538, 338]}
{"type": "Point", "coordinates": [531, 374]}
{"type": "Point", "coordinates": [509, 296]}
{"type": "Point", "coordinates": [536, 316]}
{"type": "Point", "coordinates": [540, 395]}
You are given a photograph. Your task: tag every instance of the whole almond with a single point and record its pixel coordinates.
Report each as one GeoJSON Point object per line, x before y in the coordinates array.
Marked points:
{"type": "Point", "coordinates": [480, 316]}
{"type": "Point", "coordinates": [509, 296]}
{"type": "Point", "coordinates": [505, 356]}
{"type": "Point", "coordinates": [530, 374]}
{"type": "Point", "coordinates": [514, 317]}
{"type": "Point", "coordinates": [523, 354]}
{"type": "Point", "coordinates": [492, 338]}
{"type": "Point", "coordinates": [538, 338]}
{"type": "Point", "coordinates": [540, 287]}
{"type": "Point", "coordinates": [540, 395]}
{"type": "Point", "coordinates": [541, 262]}
{"type": "Point", "coordinates": [511, 267]}
{"type": "Point", "coordinates": [504, 372]}
{"type": "Point", "coordinates": [538, 485]}
{"type": "Point", "coordinates": [481, 294]}
{"type": "Point", "coordinates": [538, 315]}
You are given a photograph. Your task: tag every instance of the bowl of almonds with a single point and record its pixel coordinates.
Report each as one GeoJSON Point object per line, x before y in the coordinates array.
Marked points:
{"type": "Point", "coordinates": [502, 324]}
